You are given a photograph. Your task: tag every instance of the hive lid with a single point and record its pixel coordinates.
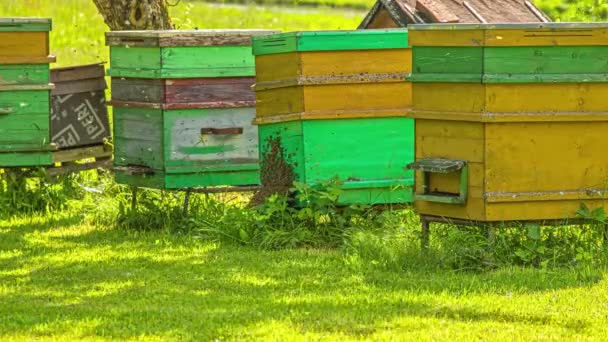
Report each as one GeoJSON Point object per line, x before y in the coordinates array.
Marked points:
{"type": "Point", "coordinates": [174, 38]}
{"type": "Point", "coordinates": [510, 34]}
{"type": "Point", "coordinates": [331, 41]}
{"type": "Point", "coordinates": [510, 26]}
{"type": "Point", "coordinates": [25, 24]}
{"type": "Point", "coordinates": [400, 13]}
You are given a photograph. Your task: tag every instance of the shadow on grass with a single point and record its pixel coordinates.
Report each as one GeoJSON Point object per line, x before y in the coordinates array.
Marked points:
{"type": "Point", "coordinates": [136, 286]}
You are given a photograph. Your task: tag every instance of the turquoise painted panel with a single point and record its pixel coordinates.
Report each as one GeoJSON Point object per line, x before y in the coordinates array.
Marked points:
{"type": "Point", "coordinates": [330, 41]}
{"type": "Point", "coordinates": [369, 155]}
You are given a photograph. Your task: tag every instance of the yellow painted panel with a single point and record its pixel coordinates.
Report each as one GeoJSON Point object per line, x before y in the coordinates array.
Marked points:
{"type": "Point", "coordinates": [362, 96]}
{"type": "Point", "coordinates": [539, 210]}
{"type": "Point", "coordinates": [279, 101]}
{"type": "Point", "coordinates": [449, 129]}
{"type": "Point", "coordinates": [547, 37]}
{"type": "Point", "coordinates": [449, 182]}
{"type": "Point", "coordinates": [446, 37]}
{"type": "Point", "coordinates": [473, 210]}
{"type": "Point", "coordinates": [448, 97]}
{"type": "Point", "coordinates": [275, 67]}
{"type": "Point", "coordinates": [547, 97]}
{"type": "Point", "coordinates": [25, 44]}
{"type": "Point", "coordinates": [332, 63]}
{"type": "Point", "coordinates": [537, 157]}
{"type": "Point", "coordinates": [470, 150]}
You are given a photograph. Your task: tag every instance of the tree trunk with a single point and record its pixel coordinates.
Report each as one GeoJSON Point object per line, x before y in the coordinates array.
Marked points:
{"type": "Point", "coordinates": [122, 15]}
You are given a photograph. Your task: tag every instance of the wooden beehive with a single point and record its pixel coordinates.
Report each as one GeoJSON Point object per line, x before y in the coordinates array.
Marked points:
{"type": "Point", "coordinates": [333, 104]}
{"type": "Point", "coordinates": [183, 108]}
{"type": "Point", "coordinates": [510, 120]}
{"type": "Point", "coordinates": [79, 116]}
{"type": "Point", "coordinates": [24, 92]}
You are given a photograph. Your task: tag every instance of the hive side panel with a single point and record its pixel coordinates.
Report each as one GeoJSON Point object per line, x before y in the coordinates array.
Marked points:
{"type": "Point", "coordinates": [138, 138]}
{"type": "Point", "coordinates": [448, 97]}
{"type": "Point", "coordinates": [546, 156]}
{"type": "Point", "coordinates": [547, 98]}
{"type": "Point", "coordinates": [450, 38]}
{"type": "Point", "coordinates": [281, 152]}
{"type": "Point", "coordinates": [359, 149]}
{"type": "Point", "coordinates": [200, 137]}
{"type": "Point", "coordinates": [279, 101]}
{"type": "Point", "coordinates": [545, 64]}
{"type": "Point", "coordinates": [208, 61]}
{"type": "Point", "coordinates": [333, 63]}
{"type": "Point", "coordinates": [457, 141]}
{"type": "Point", "coordinates": [357, 97]}
{"type": "Point", "coordinates": [275, 67]}
{"type": "Point", "coordinates": [547, 37]}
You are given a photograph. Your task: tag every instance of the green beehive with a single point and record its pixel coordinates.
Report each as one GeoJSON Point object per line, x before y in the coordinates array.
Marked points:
{"type": "Point", "coordinates": [183, 108]}
{"type": "Point", "coordinates": [336, 108]}
{"type": "Point", "coordinates": [25, 92]}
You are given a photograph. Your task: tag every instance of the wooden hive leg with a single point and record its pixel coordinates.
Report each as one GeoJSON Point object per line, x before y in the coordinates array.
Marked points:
{"type": "Point", "coordinates": [186, 202]}
{"type": "Point", "coordinates": [134, 198]}
{"type": "Point", "coordinates": [425, 233]}
{"type": "Point", "coordinates": [491, 236]}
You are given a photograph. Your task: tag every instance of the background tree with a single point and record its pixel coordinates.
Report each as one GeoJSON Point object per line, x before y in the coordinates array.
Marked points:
{"type": "Point", "coordinates": [135, 14]}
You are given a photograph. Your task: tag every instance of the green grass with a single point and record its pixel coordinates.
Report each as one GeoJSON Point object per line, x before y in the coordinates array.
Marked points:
{"type": "Point", "coordinates": [73, 275]}
{"type": "Point", "coordinates": [62, 279]}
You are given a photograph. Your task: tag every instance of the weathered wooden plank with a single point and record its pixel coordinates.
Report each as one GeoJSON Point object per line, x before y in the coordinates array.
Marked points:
{"type": "Point", "coordinates": [202, 91]}
{"type": "Point", "coordinates": [174, 38]}
{"type": "Point", "coordinates": [80, 153]}
{"type": "Point", "coordinates": [448, 64]}
{"type": "Point", "coordinates": [210, 90]}
{"type": "Point", "coordinates": [71, 168]}
{"type": "Point", "coordinates": [138, 137]}
{"type": "Point", "coordinates": [138, 90]}
{"type": "Point", "coordinates": [525, 64]}
{"type": "Point", "coordinates": [24, 74]}
{"type": "Point", "coordinates": [22, 102]}
{"type": "Point", "coordinates": [15, 159]}
{"type": "Point", "coordinates": [181, 62]}
{"type": "Point", "coordinates": [76, 73]}
{"type": "Point", "coordinates": [187, 135]}
{"type": "Point", "coordinates": [25, 24]}
{"type": "Point", "coordinates": [80, 86]}
{"type": "Point", "coordinates": [437, 11]}
{"type": "Point", "coordinates": [473, 37]}
{"type": "Point", "coordinates": [557, 36]}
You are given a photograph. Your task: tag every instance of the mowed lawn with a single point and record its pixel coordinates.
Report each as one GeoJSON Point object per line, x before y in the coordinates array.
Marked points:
{"type": "Point", "coordinates": [60, 279]}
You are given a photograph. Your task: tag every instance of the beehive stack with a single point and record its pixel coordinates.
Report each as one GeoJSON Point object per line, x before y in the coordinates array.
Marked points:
{"type": "Point", "coordinates": [510, 120]}
{"type": "Point", "coordinates": [183, 108]}
{"type": "Point", "coordinates": [24, 92]}
{"type": "Point", "coordinates": [333, 104]}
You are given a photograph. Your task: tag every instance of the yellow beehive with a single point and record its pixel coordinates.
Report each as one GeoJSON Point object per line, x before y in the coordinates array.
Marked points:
{"type": "Point", "coordinates": [510, 120]}
{"type": "Point", "coordinates": [332, 74]}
